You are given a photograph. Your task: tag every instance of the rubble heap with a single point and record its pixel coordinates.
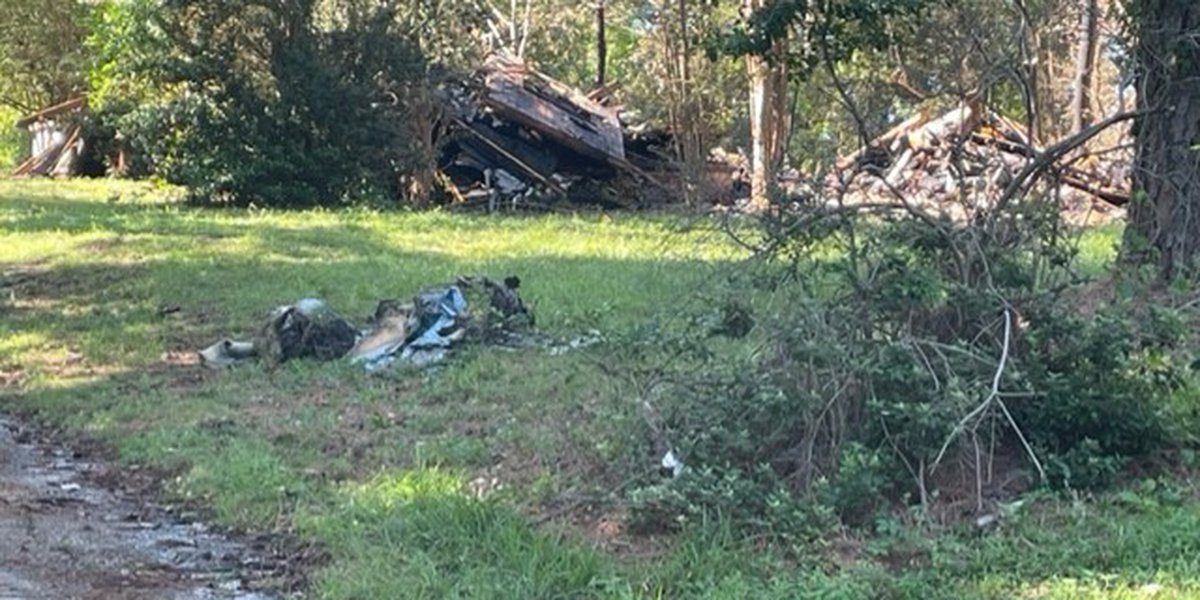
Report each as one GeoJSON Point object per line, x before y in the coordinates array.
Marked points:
{"type": "Point", "coordinates": [418, 332]}
{"type": "Point", "coordinates": [57, 140]}
{"type": "Point", "coordinates": [517, 135]}
{"type": "Point", "coordinates": [966, 159]}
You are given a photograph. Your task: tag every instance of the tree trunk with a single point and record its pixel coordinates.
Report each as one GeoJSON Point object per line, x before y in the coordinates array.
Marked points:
{"type": "Point", "coordinates": [768, 114]}
{"type": "Point", "coordinates": [1164, 218]}
{"type": "Point", "coordinates": [1085, 66]}
{"type": "Point", "coordinates": [761, 173]}
{"type": "Point", "coordinates": [601, 46]}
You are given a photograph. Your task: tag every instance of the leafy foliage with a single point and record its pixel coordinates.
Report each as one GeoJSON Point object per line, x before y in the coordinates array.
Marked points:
{"type": "Point", "coordinates": [919, 345]}
{"type": "Point", "coordinates": [41, 52]}
{"type": "Point", "coordinates": [289, 103]}
{"type": "Point", "coordinates": [829, 30]}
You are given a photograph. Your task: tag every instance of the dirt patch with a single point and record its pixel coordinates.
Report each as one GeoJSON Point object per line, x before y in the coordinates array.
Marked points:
{"type": "Point", "coordinates": [72, 528]}
{"type": "Point", "coordinates": [34, 282]}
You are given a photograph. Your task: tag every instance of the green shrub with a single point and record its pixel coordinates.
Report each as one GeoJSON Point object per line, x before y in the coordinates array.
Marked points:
{"type": "Point", "coordinates": [14, 142]}
{"type": "Point", "coordinates": [918, 343]}
{"type": "Point", "coordinates": [264, 105]}
{"type": "Point", "coordinates": [1103, 390]}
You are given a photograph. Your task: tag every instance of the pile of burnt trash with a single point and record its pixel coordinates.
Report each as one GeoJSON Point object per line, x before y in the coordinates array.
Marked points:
{"type": "Point", "coordinates": [417, 332]}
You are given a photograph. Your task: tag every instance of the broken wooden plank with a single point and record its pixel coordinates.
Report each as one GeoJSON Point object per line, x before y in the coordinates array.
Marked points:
{"type": "Point", "coordinates": [558, 113]}
{"type": "Point", "coordinates": [72, 104]}
{"type": "Point", "coordinates": [521, 165]}
{"type": "Point", "coordinates": [885, 140]}
{"type": "Point", "coordinates": [625, 165]}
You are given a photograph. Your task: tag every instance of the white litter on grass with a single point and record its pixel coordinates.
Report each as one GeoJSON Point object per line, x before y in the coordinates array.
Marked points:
{"type": "Point", "coordinates": [672, 462]}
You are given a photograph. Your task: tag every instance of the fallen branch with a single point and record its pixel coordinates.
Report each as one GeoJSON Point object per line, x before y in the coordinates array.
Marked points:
{"type": "Point", "coordinates": [983, 406]}
{"type": "Point", "coordinates": [1051, 155]}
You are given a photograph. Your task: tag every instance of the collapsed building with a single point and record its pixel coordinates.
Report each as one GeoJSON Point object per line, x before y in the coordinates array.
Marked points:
{"type": "Point", "coordinates": [512, 136]}
{"type": "Point", "coordinates": [57, 143]}
{"type": "Point", "coordinates": [518, 136]}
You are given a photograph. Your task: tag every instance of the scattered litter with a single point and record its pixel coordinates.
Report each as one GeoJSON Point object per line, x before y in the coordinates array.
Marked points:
{"type": "Point", "coordinates": [226, 353]}
{"type": "Point", "coordinates": [592, 338]}
{"type": "Point", "coordinates": [69, 487]}
{"type": "Point", "coordinates": [986, 521]}
{"type": "Point", "coordinates": [419, 332]}
{"type": "Point", "coordinates": [307, 328]}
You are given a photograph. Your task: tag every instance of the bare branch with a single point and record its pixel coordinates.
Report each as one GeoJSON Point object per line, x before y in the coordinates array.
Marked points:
{"type": "Point", "coordinates": [1048, 157]}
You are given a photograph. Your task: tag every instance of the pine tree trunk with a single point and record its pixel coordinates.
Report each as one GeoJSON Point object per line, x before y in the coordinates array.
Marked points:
{"type": "Point", "coordinates": [1085, 66]}
{"type": "Point", "coordinates": [1164, 218]}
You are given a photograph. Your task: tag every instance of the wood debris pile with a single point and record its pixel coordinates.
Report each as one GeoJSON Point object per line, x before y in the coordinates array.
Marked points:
{"type": "Point", "coordinates": [965, 160]}
{"type": "Point", "coordinates": [57, 143]}
{"type": "Point", "coordinates": [516, 136]}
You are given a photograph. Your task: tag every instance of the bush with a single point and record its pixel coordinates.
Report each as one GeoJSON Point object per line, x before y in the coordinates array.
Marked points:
{"type": "Point", "coordinates": [1104, 389]}
{"type": "Point", "coordinates": [256, 105]}
{"type": "Point", "coordinates": [920, 344]}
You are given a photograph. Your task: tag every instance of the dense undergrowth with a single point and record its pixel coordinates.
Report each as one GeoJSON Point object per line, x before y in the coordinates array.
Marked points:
{"type": "Point", "coordinates": [923, 364]}
{"type": "Point", "coordinates": [809, 396]}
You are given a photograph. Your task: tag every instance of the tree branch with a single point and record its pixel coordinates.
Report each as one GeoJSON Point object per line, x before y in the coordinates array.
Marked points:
{"type": "Point", "coordinates": [1051, 155]}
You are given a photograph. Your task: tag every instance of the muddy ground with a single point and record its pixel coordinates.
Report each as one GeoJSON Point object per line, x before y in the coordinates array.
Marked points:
{"type": "Point", "coordinates": [70, 528]}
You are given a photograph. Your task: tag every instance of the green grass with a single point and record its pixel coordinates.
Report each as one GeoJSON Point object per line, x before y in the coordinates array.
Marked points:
{"type": "Point", "coordinates": [428, 485]}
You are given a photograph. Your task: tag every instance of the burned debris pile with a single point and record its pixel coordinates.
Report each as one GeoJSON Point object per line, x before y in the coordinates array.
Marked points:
{"type": "Point", "coordinates": [517, 137]}
{"type": "Point", "coordinates": [967, 159]}
{"type": "Point", "coordinates": [418, 332]}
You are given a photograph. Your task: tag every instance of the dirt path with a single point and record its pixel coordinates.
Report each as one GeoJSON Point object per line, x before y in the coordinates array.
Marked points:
{"type": "Point", "coordinates": [63, 535]}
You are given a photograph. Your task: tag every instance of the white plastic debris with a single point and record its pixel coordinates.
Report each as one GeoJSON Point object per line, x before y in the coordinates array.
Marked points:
{"type": "Point", "coordinates": [672, 462]}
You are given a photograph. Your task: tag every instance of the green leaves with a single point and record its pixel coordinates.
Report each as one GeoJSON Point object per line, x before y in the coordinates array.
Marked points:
{"type": "Point", "coordinates": [811, 31]}
{"type": "Point", "coordinates": [42, 56]}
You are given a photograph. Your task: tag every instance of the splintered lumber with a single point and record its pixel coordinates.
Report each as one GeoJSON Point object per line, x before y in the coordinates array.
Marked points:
{"type": "Point", "coordinates": [56, 159]}
{"type": "Point", "coordinates": [632, 168]}
{"type": "Point", "coordinates": [520, 165]}
{"type": "Point", "coordinates": [522, 95]}
{"type": "Point", "coordinates": [449, 187]}
{"type": "Point", "coordinates": [973, 153]}
{"type": "Point", "coordinates": [604, 92]}
{"type": "Point", "coordinates": [25, 166]}
{"type": "Point", "coordinates": [45, 113]}
{"type": "Point", "coordinates": [64, 163]}
{"type": "Point", "coordinates": [885, 140]}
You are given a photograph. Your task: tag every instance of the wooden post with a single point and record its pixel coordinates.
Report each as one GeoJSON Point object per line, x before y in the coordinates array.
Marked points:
{"type": "Point", "coordinates": [601, 46]}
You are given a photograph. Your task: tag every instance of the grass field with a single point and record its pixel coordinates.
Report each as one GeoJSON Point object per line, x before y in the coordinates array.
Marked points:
{"type": "Point", "coordinates": [448, 483]}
